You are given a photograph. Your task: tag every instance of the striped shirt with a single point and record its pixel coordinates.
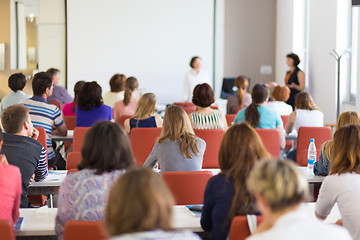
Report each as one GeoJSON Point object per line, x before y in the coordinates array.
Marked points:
{"type": "Point", "coordinates": [44, 115]}
{"type": "Point", "coordinates": [213, 120]}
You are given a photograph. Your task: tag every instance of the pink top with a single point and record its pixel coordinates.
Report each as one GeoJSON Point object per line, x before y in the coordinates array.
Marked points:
{"type": "Point", "coordinates": [67, 109]}
{"type": "Point", "coordinates": [120, 109]}
{"type": "Point", "coordinates": [10, 192]}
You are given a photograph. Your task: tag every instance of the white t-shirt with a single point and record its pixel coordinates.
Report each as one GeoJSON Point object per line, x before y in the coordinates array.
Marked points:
{"type": "Point", "coordinates": [282, 108]}
{"type": "Point", "coordinates": [158, 234]}
{"type": "Point", "coordinates": [308, 118]}
{"type": "Point", "coordinates": [191, 80]}
{"type": "Point", "coordinates": [299, 225]}
{"type": "Point", "coordinates": [110, 98]}
{"type": "Point", "coordinates": [343, 189]}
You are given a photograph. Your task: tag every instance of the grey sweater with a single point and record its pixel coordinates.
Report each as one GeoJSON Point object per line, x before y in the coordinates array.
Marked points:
{"type": "Point", "coordinates": [169, 155]}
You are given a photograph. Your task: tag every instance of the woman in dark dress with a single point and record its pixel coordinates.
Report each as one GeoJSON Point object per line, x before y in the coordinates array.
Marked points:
{"type": "Point", "coordinates": [295, 78]}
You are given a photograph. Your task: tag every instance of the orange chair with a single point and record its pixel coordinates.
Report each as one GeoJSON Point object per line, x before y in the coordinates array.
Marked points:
{"type": "Point", "coordinates": [213, 138]}
{"type": "Point", "coordinates": [72, 170]}
{"type": "Point", "coordinates": [271, 140]}
{"type": "Point", "coordinates": [58, 104]}
{"type": "Point", "coordinates": [123, 118]}
{"type": "Point", "coordinates": [238, 109]}
{"type": "Point", "coordinates": [70, 122]}
{"type": "Point", "coordinates": [42, 138]}
{"type": "Point", "coordinates": [230, 119]}
{"type": "Point", "coordinates": [214, 107]}
{"type": "Point", "coordinates": [289, 143]}
{"type": "Point", "coordinates": [89, 230]}
{"type": "Point", "coordinates": [7, 230]}
{"type": "Point", "coordinates": [187, 187]}
{"type": "Point", "coordinates": [320, 134]}
{"type": "Point", "coordinates": [142, 142]}
{"type": "Point", "coordinates": [189, 107]}
{"type": "Point", "coordinates": [79, 134]}
{"type": "Point", "coordinates": [239, 229]}
{"type": "Point", "coordinates": [73, 159]}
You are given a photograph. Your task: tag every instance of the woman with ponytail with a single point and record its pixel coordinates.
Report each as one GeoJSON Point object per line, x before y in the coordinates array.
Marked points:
{"type": "Point", "coordinates": [260, 116]}
{"type": "Point", "coordinates": [128, 105]}
{"type": "Point", "coordinates": [69, 108]}
{"type": "Point", "coordinates": [242, 98]}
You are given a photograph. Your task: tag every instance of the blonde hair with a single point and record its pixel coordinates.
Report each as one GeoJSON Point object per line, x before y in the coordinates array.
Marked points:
{"type": "Point", "coordinates": [177, 127]}
{"type": "Point", "coordinates": [139, 201]}
{"type": "Point", "coordinates": [280, 183]}
{"type": "Point", "coordinates": [346, 150]}
{"type": "Point", "coordinates": [303, 100]}
{"type": "Point", "coordinates": [145, 106]}
{"type": "Point", "coordinates": [240, 84]}
{"type": "Point", "coordinates": [344, 119]}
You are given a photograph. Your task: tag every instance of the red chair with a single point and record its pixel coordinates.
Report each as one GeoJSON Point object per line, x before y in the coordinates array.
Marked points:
{"type": "Point", "coordinates": [72, 170]}
{"type": "Point", "coordinates": [230, 119]}
{"type": "Point", "coordinates": [79, 134]}
{"type": "Point", "coordinates": [142, 142]}
{"type": "Point", "coordinates": [239, 229]}
{"type": "Point", "coordinates": [70, 122]}
{"type": "Point", "coordinates": [320, 134]}
{"type": "Point", "coordinates": [213, 138]}
{"type": "Point", "coordinates": [89, 230]}
{"type": "Point", "coordinates": [73, 159]}
{"type": "Point", "coordinates": [123, 118]}
{"type": "Point", "coordinates": [189, 107]}
{"type": "Point", "coordinates": [214, 107]}
{"type": "Point", "coordinates": [289, 143]}
{"type": "Point", "coordinates": [187, 187]}
{"type": "Point", "coordinates": [58, 104]}
{"type": "Point", "coordinates": [42, 138]}
{"type": "Point", "coordinates": [238, 109]}
{"type": "Point", "coordinates": [271, 140]}
{"type": "Point", "coordinates": [7, 230]}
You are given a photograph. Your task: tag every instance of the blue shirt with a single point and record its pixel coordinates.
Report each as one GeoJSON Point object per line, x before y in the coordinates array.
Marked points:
{"type": "Point", "coordinates": [269, 118]}
{"type": "Point", "coordinates": [144, 123]}
{"type": "Point", "coordinates": [88, 118]}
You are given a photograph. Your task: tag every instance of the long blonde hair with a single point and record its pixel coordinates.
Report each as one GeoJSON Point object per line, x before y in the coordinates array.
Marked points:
{"type": "Point", "coordinates": [177, 127]}
{"type": "Point", "coordinates": [345, 118]}
{"type": "Point", "coordinates": [145, 106]}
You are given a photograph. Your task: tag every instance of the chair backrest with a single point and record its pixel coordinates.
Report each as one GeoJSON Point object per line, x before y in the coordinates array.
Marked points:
{"type": "Point", "coordinates": [183, 104]}
{"type": "Point", "coordinates": [230, 119]}
{"type": "Point", "coordinates": [7, 230]}
{"type": "Point", "coordinates": [187, 187]}
{"type": "Point", "coordinates": [89, 230]}
{"type": "Point", "coordinates": [238, 109]}
{"type": "Point", "coordinates": [78, 137]}
{"type": "Point", "coordinates": [72, 170]}
{"type": "Point", "coordinates": [214, 107]}
{"type": "Point", "coordinates": [189, 109]}
{"type": "Point", "coordinates": [70, 122]}
{"type": "Point", "coordinates": [142, 142]}
{"type": "Point", "coordinates": [42, 138]}
{"type": "Point", "coordinates": [73, 159]}
{"type": "Point", "coordinates": [239, 229]}
{"type": "Point", "coordinates": [320, 134]}
{"type": "Point", "coordinates": [271, 140]}
{"type": "Point", "coordinates": [213, 138]}
{"type": "Point", "coordinates": [58, 104]}
{"type": "Point", "coordinates": [284, 118]}
{"type": "Point", "coordinates": [123, 118]}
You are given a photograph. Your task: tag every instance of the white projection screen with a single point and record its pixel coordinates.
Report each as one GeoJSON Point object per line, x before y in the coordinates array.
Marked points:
{"type": "Point", "coordinates": [152, 40]}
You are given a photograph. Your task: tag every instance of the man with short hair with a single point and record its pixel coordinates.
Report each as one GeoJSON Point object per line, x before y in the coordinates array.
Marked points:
{"type": "Point", "coordinates": [21, 148]}
{"type": "Point", "coordinates": [60, 94]}
{"type": "Point", "coordinates": [46, 115]}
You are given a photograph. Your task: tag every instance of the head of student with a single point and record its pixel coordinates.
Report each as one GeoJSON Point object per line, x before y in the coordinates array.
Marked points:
{"type": "Point", "coordinates": [54, 74]}
{"type": "Point", "coordinates": [77, 88]}
{"type": "Point", "coordinates": [177, 127]}
{"type": "Point", "coordinates": [203, 95]}
{"type": "Point", "coordinates": [278, 186]}
{"type": "Point", "coordinates": [106, 147]}
{"type": "Point", "coordinates": [195, 63]}
{"type": "Point", "coordinates": [90, 96]}
{"type": "Point", "coordinates": [242, 83]}
{"type": "Point", "coordinates": [146, 106]}
{"type": "Point", "coordinates": [117, 83]}
{"type": "Point", "coordinates": [260, 95]}
{"type": "Point", "coordinates": [236, 159]}
{"type": "Point", "coordinates": [303, 100]}
{"type": "Point", "coordinates": [17, 82]}
{"type": "Point", "coordinates": [139, 201]}
{"type": "Point", "coordinates": [281, 93]}
{"type": "Point", "coordinates": [131, 85]}
{"type": "Point", "coordinates": [292, 60]}
{"type": "Point", "coordinates": [16, 119]}
{"type": "Point", "coordinates": [42, 85]}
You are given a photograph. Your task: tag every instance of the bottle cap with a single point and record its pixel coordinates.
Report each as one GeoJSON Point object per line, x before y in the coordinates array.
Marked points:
{"type": "Point", "coordinates": [312, 140]}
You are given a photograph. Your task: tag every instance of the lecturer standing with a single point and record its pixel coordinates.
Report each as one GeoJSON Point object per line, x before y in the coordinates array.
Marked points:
{"type": "Point", "coordinates": [295, 78]}
{"type": "Point", "coordinates": [194, 77]}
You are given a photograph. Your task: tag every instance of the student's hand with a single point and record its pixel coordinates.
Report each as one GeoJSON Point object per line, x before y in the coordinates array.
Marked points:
{"type": "Point", "coordinates": [35, 134]}
{"type": "Point", "coordinates": [3, 159]}
{"type": "Point", "coordinates": [32, 179]}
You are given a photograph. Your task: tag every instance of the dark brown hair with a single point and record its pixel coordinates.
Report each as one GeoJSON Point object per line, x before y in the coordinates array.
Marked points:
{"type": "Point", "coordinates": [203, 95]}
{"type": "Point", "coordinates": [193, 59]}
{"type": "Point", "coordinates": [106, 147]}
{"type": "Point", "coordinates": [130, 85]}
{"type": "Point", "coordinates": [295, 58]}
{"type": "Point", "coordinates": [259, 95]}
{"type": "Point", "coordinates": [17, 81]}
{"type": "Point", "coordinates": [41, 82]}
{"type": "Point", "coordinates": [117, 82]}
{"type": "Point", "coordinates": [13, 118]}
{"type": "Point", "coordinates": [90, 96]}
{"type": "Point", "coordinates": [77, 88]}
{"type": "Point", "coordinates": [303, 100]}
{"type": "Point", "coordinates": [52, 71]}
{"type": "Point", "coordinates": [240, 84]}
{"type": "Point", "coordinates": [281, 93]}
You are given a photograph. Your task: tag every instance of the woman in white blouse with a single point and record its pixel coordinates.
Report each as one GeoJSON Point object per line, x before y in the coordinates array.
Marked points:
{"type": "Point", "coordinates": [194, 77]}
{"type": "Point", "coordinates": [280, 95]}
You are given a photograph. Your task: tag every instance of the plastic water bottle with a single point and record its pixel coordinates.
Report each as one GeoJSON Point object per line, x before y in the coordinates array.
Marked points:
{"type": "Point", "coordinates": [311, 154]}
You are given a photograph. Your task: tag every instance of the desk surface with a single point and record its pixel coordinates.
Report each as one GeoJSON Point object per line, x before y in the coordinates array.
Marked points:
{"type": "Point", "coordinates": [54, 179]}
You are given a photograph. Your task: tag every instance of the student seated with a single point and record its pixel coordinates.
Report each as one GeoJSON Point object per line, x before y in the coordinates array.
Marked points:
{"type": "Point", "coordinates": [226, 194]}
{"type": "Point", "coordinates": [144, 114]}
{"type": "Point", "coordinates": [342, 185]}
{"type": "Point", "coordinates": [69, 108]}
{"type": "Point", "coordinates": [117, 86]}
{"type": "Point", "coordinates": [242, 98]}
{"type": "Point", "coordinates": [140, 206]}
{"type": "Point", "coordinates": [177, 148]}
{"type": "Point", "coordinates": [322, 167]}
{"type": "Point", "coordinates": [46, 115]}
{"type": "Point", "coordinates": [21, 148]}
{"type": "Point", "coordinates": [16, 83]}
{"type": "Point", "coordinates": [280, 188]}
{"type": "Point", "coordinates": [280, 95]}
{"type": "Point", "coordinates": [205, 117]}
{"type": "Point", "coordinates": [60, 94]}
{"type": "Point", "coordinates": [260, 116]}
{"type": "Point", "coordinates": [10, 189]}
{"type": "Point", "coordinates": [106, 154]}
{"type": "Point", "coordinates": [128, 105]}
{"type": "Point", "coordinates": [90, 108]}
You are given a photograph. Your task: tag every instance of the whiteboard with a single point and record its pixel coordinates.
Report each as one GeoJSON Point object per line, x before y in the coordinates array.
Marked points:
{"type": "Point", "coordinates": [152, 40]}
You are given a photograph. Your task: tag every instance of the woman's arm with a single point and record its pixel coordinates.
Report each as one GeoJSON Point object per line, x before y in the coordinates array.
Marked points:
{"type": "Point", "coordinates": [290, 123]}
{"type": "Point", "coordinates": [158, 121]}
{"type": "Point", "coordinates": [208, 205]}
{"type": "Point", "coordinates": [282, 136]}
{"type": "Point", "coordinates": [152, 159]}
{"type": "Point", "coordinates": [127, 125]}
